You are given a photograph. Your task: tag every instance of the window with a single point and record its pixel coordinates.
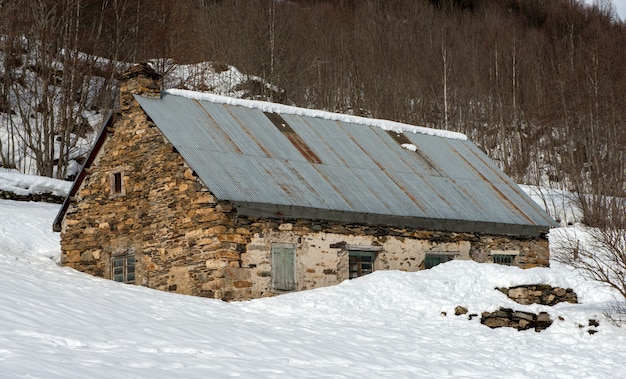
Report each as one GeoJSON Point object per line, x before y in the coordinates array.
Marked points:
{"type": "Point", "coordinates": [283, 267]}
{"type": "Point", "coordinates": [361, 263]}
{"type": "Point", "coordinates": [116, 179]}
{"type": "Point", "coordinates": [123, 268]}
{"type": "Point", "coordinates": [117, 182]}
{"type": "Point", "coordinates": [504, 257]}
{"type": "Point", "coordinates": [433, 260]}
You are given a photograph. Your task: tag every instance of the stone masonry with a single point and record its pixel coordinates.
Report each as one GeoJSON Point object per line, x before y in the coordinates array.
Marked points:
{"type": "Point", "coordinates": [185, 240]}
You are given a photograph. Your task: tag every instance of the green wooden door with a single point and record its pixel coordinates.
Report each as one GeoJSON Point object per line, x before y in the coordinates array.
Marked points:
{"type": "Point", "coordinates": [283, 267]}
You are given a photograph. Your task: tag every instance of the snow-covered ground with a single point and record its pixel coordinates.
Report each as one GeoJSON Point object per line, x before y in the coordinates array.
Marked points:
{"type": "Point", "coordinates": [12, 180]}
{"type": "Point", "coordinates": [58, 323]}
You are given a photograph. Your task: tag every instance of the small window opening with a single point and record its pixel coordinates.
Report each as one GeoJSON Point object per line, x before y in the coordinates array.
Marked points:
{"type": "Point", "coordinates": [117, 183]}
{"type": "Point", "coordinates": [503, 259]}
{"type": "Point", "coordinates": [361, 263]}
{"type": "Point", "coordinates": [433, 260]}
{"type": "Point", "coordinates": [123, 268]}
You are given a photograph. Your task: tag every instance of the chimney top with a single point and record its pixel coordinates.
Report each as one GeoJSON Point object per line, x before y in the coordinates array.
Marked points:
{"type": "Point", "coordinates": [140, 70]}
{"type": "Point", "coordinates": [140, 79]}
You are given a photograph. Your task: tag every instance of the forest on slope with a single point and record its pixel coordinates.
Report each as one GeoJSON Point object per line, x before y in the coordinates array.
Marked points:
{"type": "Point", "coordinates": [540, 85]}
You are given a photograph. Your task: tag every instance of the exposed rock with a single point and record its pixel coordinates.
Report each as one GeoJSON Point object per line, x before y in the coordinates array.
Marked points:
{"type": "Point", "coordinates": [540, 294]}
{"type": "Point", "coordinates": [43, 197]}
{"type": "Point", "coordinates": [506, 317]}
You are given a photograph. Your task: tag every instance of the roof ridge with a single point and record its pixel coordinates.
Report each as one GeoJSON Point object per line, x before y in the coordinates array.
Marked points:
{"type": "Point", "coordinates": [289, 109]}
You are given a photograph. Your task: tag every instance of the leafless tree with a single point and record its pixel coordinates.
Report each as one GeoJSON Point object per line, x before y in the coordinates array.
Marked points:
{"type": "Point", "coordinates": [539, 86]}
{"type": "Point", "coordinates": [50, 83]}
{"type": "Point", "coordinates": [601, 254]}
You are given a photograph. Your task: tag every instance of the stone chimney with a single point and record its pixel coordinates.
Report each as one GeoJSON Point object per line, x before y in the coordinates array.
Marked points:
{"type": "Point", "coordinates": [140, 79]}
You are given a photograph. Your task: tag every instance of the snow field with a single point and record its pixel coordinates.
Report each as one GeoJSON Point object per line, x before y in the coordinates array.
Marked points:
{"type": "Point", "coordinates": [58, 323]}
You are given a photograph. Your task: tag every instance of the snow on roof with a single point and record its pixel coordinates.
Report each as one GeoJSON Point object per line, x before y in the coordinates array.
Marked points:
{"type": "Point", "coordinates": [287, 109]}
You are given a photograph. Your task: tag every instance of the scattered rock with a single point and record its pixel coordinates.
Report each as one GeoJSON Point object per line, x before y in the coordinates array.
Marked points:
{"type": "Point", "coordinates": [507, 317]}
{"type": "Point", "coordinates": [459, 310]}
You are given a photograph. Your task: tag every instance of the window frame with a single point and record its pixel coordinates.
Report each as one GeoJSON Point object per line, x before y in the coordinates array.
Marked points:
{"type": "Point", "coordinates": [359, 269]}
{"type": "Point", "coordinates": [126, 272]}
{"type": "Point", "coordinates": [504, 257]}
{"type": "Point", "coordinates": [116, 183]}
{"type": "Point", "coordinates": [443, 256]}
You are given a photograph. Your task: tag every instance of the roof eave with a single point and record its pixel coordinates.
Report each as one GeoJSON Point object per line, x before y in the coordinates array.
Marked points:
{"type": "Point", "coordinates": [108, 121]}
{"type": "Point", "coordinates": [422, 223]}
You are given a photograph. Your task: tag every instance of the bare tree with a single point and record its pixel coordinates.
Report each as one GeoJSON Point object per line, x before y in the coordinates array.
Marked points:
{"type": "Point", "coordinates": [50, 83]}
{"type": "Point", "coordinates": [600, 254]}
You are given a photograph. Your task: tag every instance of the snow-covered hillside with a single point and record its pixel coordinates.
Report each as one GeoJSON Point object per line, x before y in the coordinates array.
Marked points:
{"type": "Point", "coordinates": [33, 136]}
{"type": "Point", "coordinates": [59, 323]}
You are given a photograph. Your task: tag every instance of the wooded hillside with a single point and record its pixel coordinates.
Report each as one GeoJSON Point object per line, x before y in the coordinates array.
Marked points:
{"type": "Point", "coordinates": [540, 85]}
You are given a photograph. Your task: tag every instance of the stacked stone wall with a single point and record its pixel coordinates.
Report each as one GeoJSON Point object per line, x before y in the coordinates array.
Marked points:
{"type": "Point", "coordinates": [182, 237]}
{"type": "Point", "coordinates": [529, 252]}
{"type": "Point", "coordinates": [40, 197]}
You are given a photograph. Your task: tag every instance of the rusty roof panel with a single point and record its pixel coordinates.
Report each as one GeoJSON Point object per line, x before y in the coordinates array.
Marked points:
{"type": "Point", "coordinates": [313, 132]}
{"type": "Point", "coordinates": [343, 171]}
{"type": "Point", "coordinates": [255, 124]}
{"type": "Point", "coordinates": [336, 138]}
{"type": "Point", "coordinates": [229, 128]}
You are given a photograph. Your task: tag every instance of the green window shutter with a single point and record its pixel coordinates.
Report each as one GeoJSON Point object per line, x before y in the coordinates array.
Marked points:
{"type": "Point", "coordinates": [433, 260]}
{"type": "Point", "coordinates": [283, 267]}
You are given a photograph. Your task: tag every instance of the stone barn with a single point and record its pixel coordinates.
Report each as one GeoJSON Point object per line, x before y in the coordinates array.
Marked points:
{"type": "Point", "coordinates": [236, 199]}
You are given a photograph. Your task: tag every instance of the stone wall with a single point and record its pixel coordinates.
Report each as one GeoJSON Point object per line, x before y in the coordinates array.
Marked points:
{"type": "Point", "coordinates": [181, 235]}
{"type": "Point", "coordinates": [528, 252]}
{"type": "Point", "coordinates": [184, 240]}
{"type": "Point", "coordinates": [44, 197]}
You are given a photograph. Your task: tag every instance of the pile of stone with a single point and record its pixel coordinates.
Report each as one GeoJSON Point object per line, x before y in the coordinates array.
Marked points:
{"type": "Point", "coordinates": [540, 294]}
{"type": "Point", "coordinates": [507, 317]}
{"type": "Point", "coordinates": [527, 294]}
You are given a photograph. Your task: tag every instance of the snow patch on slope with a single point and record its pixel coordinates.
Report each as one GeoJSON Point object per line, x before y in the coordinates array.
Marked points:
{"type": "Point", "coordinates": [12, 180]}
{"type": "Point", "coordinates": [60, 323]}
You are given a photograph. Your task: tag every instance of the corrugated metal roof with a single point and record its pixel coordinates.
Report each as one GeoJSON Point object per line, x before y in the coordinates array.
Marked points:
{"type": "Point", "coordinates": [364, 175]}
